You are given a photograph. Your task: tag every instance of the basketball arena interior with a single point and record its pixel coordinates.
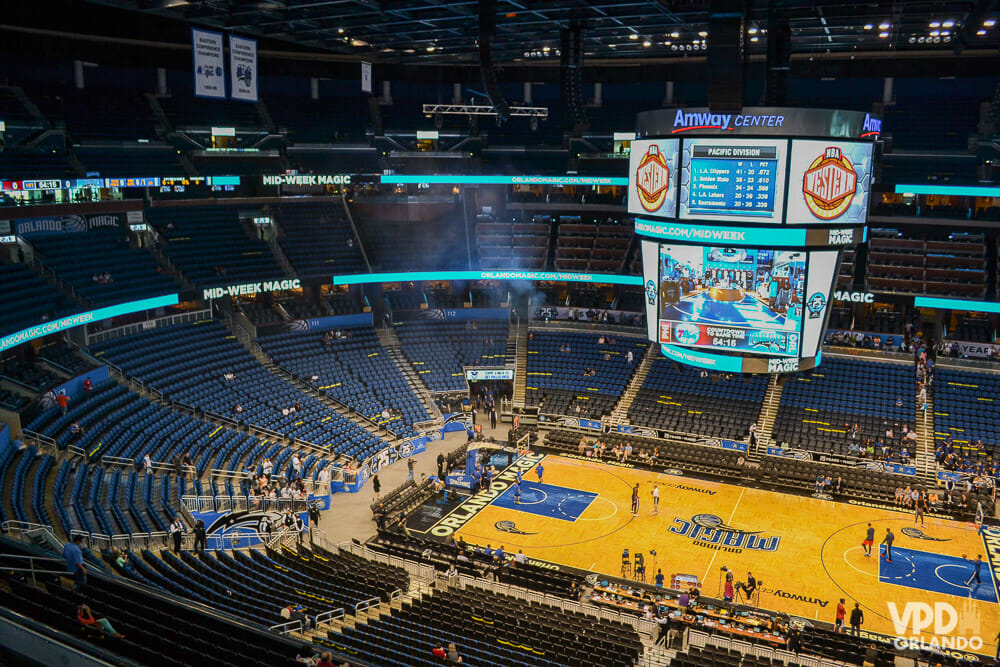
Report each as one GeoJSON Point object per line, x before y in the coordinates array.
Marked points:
{"type": "Point", "coordinates": [641, 333]}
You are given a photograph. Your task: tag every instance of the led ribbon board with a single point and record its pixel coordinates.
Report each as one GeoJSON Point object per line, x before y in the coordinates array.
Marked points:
{"type": "Point", "coordinates": [496, 274]}
{"type": "Point", "coordinates": [46, 328]}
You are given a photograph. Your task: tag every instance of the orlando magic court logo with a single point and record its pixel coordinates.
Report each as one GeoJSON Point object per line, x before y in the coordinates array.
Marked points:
{"type": "Point", "coordinates": [510, 527]}
{"type": "Point", "coordinates": [710, 531]}
{"type": "Point", "coordinates": [651, 292]}
{"type": "Point", "coordinates": [815, 305]}
{"type": "Point", "coordinates": [918, 534]}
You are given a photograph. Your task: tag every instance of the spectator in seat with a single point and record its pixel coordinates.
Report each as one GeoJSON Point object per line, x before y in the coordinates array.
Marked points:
{"type": "Point", "coordinates": [62, 400]}
{"type": "Point", "coordinates": [439, 652]}
{"type": "Point", "coordinates": [453, 657]}
{"type": "Point", "coordinates": [326, 660]}
{"type": "Point", "coordinates": [88, 620]}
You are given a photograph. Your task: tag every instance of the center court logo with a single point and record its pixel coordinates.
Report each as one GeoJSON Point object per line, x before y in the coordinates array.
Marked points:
{"type": "Point", "coordinates": [710, 531]}
{"type": "Point", "coordinates": [652, 179]}
{"type": "Point", "coordinates": [940, 619]}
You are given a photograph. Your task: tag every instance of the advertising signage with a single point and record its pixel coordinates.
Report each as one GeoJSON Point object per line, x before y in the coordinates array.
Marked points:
{"type": "Point", "coordinates": [783, 121]}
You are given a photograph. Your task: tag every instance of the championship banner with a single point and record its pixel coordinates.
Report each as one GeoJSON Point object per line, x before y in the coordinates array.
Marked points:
{"type": "Point", "coordinates": [366, 77]}
{"type": "Point", "coordinates": [243, 68]}
{"type": "Point", "coordinates": [209, 66]}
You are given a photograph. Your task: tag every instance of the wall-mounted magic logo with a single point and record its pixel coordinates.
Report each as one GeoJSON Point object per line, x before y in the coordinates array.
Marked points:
{"type": "Point", "coordinates": [651, 292]}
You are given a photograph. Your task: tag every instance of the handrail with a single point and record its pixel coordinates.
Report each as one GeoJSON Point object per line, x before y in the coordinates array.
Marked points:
{"type": "Point", "coordinates": [364, 605]}
{"type": "Point", "coordinates": [287, 628]}
{"type": "Point", "coordinates": [330, 616]}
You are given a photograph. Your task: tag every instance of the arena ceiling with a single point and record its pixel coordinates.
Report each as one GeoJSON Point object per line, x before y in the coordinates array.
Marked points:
{"type": "Point", "coordinates": [528, 31]}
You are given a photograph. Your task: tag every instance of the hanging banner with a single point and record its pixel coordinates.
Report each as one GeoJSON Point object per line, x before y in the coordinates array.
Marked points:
{"type": "Point", "coordinates": [243, 68]}
{"type": "Point", "coordinates": [366, 77]}
{"type": "Point", "coordinates": [209, 67]}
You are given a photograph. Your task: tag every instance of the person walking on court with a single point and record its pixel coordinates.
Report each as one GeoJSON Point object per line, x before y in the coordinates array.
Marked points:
{"type": "Point", "coordinates": [857, 618]}
{"type": "Point", "coordinates": [887, 541]}
{"type": "Point", "coordinates": [635, 499]}
{"type": "Point", "coordinates": [539, 470]}
{"type": "Point", "coordinates": [977, 565]}
{"type": "Point", "coordinates": [410, 464]}
{"type": "Point", "coordinates": [919, 507]}
{"type": "Point", "coordinates": [869, 541]}
{"type": "Point", "coordinates": [376, 487]}
{"type": "Point", "coordinates": [656, 499]}
{"type": "Point", "coordinates": [493, 417]}
{"type": "Point", "coordinates": [517, 494]}
{"type": "Point", "coordinates": [199, 536]}
{"type": "Point", "coordinates": [841, 614]}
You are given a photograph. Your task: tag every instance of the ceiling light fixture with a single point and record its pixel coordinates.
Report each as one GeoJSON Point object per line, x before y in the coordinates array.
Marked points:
{"type": "Point", "coordinates": [633, 36]}
{"type": "Point", "coordinates": [703, 33]}
{"type": "Point", "coordinates": [980, 32]}
{"type": "Point", "coordinates": [883, 26]}
{"type": "Point", "coordinates": [868, 26]}
{"type": "Point", "coordinates": [948, 24]}
{"type": "Point", "coordinates": [647, 43]}
{"type": "Point", "coordinates": [989, 23]}
{"type": "Point", "coordinates": [935, 24]}
{"type": "Point", "coordinates": [675, 35]}
{"type": "Point", "coordinates": [883, 34]}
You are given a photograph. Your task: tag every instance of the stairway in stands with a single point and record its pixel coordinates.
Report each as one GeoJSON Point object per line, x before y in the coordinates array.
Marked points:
{"type": "Point", "coordinates": [390, 341]}
{"type": "Point", "coordinates": [768, 413]}
{"type": "Point", "coordinates": [521, 363]}
{"type": "Point", "coordinates": [924, 456]}
{"type": "Point", "coordinates": [620, 414]}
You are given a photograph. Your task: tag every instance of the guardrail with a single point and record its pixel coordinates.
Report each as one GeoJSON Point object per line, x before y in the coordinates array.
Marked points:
{"type": "Point", "coordinates": [330, 616]}
{"type": "Point", "coordinates": [139, 327]}
{"type": "Point", "coordinates": [364, 605]}
{"type": "Point", "coordinates": [242, 503]}
{"type": "Point", "coordinates": [286, 628]}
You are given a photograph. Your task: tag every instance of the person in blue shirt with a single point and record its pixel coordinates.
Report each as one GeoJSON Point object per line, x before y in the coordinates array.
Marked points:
{"type": "Point", "coordinates": [73, 554]}
{"type": "Point", "coordinates": [517, 474]}
{"type": "Point", "coordinates": [659, 578]}
{"type": "Point", "coordinates": [539, 470]}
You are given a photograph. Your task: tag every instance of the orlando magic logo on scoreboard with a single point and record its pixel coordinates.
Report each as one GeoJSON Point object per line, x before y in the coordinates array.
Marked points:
{"type": "Point", "coordinates": [771, 192]}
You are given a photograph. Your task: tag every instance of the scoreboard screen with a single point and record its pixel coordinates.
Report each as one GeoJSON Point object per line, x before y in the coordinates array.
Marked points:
{"type": "Point", "coordinates": [747, 300]}
{"type": "Point", "coordinates": [738, 179]}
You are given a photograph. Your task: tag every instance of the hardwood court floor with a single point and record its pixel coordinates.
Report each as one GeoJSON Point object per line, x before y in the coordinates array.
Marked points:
{"type": "Point", "coordinates": [816, 555]}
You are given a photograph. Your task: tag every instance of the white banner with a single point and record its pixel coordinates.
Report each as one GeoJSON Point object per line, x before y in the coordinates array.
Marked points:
{"type": "Point", "coordinates": [209, 66]}
{"type": "Point", "coordinates": [243, 68]}
{"type": "Point", "coordinates": [366, 77]}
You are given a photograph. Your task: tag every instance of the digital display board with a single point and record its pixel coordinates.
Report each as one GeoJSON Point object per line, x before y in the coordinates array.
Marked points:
{"type": "Point", "coordinates": [829, 182]}
{"type": "Point", "coordinates": [653, 177]}
{"type": "Point", "coordinates": [746, 300]}
{"type": "Point", "coordinates": [739, 179]}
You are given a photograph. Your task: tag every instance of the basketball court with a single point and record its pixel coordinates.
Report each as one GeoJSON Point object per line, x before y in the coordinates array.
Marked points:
{"type": "Point", "coordinates": [806, 553]}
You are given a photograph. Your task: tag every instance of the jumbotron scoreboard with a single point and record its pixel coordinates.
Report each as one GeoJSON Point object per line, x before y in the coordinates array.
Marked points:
{"type": "Point", "coordinates": [743, 218]}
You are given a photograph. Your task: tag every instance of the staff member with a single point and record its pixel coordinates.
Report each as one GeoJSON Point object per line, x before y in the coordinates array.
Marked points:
{"type": "Point", "coordinates": [887, 541]}
{"type": "Point", "coordinates": [176, 531]}
{"type": "Point", "coordinates": [749, 586]}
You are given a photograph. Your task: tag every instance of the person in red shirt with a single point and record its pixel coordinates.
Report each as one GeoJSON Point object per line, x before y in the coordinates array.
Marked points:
{"type": "Point", "coordinates": [63, 401]}
{"type": "Point", "coordinates": [841, 613]}
{"type": "Point", "coordinates": [439, 652]}
{"type": "Point", "coordinates": [87, 386]}
{"type": "Point", "coordinates": [325, 660]}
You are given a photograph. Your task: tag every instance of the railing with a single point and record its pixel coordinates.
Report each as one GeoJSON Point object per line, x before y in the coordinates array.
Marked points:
{"type": "Point", "coordinates": [286, 628]}
{"type": "Point", "coordinates": [19, 530]}
{"type": "Point", "coordinates": [241, 503]}
{"type": "Point", "coordinates": [365, 605]}
{"type": "Point", "coordinates": [118, 461]}
{"type": "Point", "coordinates": [31, 568]}
{"type": "Point", "coordinates": [329, 616]}
{"type": "Point", "coordinates": [139, 327]}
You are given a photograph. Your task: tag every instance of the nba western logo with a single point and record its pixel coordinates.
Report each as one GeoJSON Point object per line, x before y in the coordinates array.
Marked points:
{"type": "Point", "coordinates": [652, 179]}
{"type": "Point", "coordinates": [940, 618]}
{"type": "Point", "coordinates": [829, 184]}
